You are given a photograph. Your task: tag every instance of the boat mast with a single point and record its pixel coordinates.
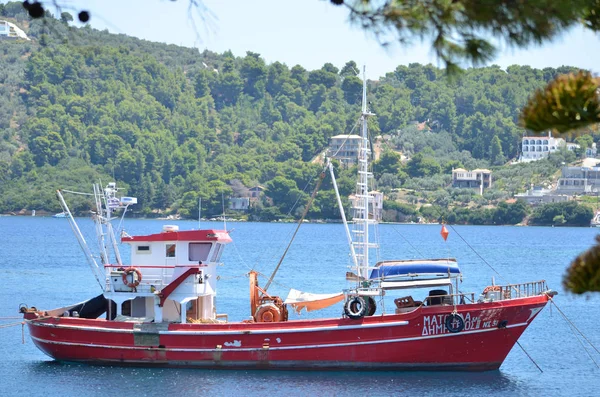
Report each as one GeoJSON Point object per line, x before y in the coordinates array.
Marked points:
{"type": "Point", "coordinates": [106, 201]}
{"type": "Point", "coordinates": [361, 209]}
{"type": "Point", "coordinates": [101, 219]}
{"type": "Point", "coordinates": [98, 273]}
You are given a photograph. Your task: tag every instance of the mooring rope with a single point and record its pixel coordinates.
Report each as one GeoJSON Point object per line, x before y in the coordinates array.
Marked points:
{"type": "Point", "coordinates": [21, 323]}
{"type": "Point", "coordinates": [573, 327]}
{"type": "Point", "coordinates": [12, 324]}
{"type": "Point", "coordinates": [527, 354]}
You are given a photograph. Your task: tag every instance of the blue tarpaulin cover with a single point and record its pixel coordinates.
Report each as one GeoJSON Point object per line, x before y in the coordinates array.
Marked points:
{"type": "Point", "coordinates": [418, 267]}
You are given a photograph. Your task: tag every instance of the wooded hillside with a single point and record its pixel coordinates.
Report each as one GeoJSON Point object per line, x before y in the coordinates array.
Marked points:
{"type": "Point", "coordinates": [172, 124]}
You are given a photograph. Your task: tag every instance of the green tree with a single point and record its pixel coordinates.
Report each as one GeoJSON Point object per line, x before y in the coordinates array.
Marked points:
{"type": "Point", "coordinates": [349, 69]}
{"type": "Point", "coordinates": [48, 149]}
{"type": "Point", "coordinates": [227, 89]}
{"type": "Point", "coordinates": [496, 155]}
{"type": "Point", "coordinates": [419, 166]}
{"type": "Point", "coordinates": [389, 162]}
{"type": "Point", "coordinates": [65, 18]}
{"type": "Point", "coordinates": [352, 87]}
{"type": "Point", "coordinates": [322, 77]}
{"type": "Point", "coordinates": [254, 73]}
{"type": "Point", "coordinates": [285, 194]}
{"type": "Point", "coordinates": [510, 214]}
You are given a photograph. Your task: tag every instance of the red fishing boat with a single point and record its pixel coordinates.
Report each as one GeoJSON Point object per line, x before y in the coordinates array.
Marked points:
{"type": "Point", "coordinates": [159, 308]}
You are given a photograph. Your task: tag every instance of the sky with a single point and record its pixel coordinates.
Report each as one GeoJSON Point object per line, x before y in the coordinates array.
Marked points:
{"type": "Point", "coordinates": [306, 32]}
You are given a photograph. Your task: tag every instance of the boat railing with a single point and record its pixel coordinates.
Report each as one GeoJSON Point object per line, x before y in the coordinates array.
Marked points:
{"type": "Point", "coordinates": [490, 294]}
{"type": "Point", "coordinates": [450, 299]}
{"type": "Point", "coordinates": [156, 276]}
{"type": "Point", "coordinates": [522, 290]}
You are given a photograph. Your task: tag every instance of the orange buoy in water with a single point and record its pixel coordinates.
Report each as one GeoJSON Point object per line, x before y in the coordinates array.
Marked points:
{"type": "Point", "coordinates": [444, 232]}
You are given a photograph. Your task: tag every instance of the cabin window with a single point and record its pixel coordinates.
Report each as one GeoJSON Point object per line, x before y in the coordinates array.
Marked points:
{"type": "Point", "coordinates": [199, 251]}
{"type": "Point", "coordinates": [217, 254]}
{"type": "Point", "coordinates": [170, 252]}
{"type": "Point", "coordinates": [143, 249]}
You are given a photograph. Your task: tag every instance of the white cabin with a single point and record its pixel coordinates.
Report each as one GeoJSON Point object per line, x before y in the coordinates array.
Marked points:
{"type": "Point", "coordinates": [169, 271]}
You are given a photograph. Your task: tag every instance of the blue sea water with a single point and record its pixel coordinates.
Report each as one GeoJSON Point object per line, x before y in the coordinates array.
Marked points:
{"type": "Point", "coordinates": [42, 265]}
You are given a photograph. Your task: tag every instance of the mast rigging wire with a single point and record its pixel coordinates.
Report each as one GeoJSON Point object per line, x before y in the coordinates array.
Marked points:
{"type": "Point", "coordinates": [308, 205]}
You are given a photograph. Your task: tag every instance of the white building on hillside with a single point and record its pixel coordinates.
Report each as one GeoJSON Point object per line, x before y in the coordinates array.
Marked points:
{"type": "Point", "coordinates": [539, 196]}
{"type": "Point", "coordinates": [579, 180]}
{"type": "Point", "coordinates": [375, 205]}
{"type": "Point", "coordinates": [477, 179]}
{"type": "Point", "coordinates": [535, 148]}
{"type": "Point", "coordinates": [12, 31]}
{"type": "Point", "coordinates": [345, 148]}
{"type": "Point", "coordinates": [239, 203]}
{"type": "Point", "coordinates": [538, 147]}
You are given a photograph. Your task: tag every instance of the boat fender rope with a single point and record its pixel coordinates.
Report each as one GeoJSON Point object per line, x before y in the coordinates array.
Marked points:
{"type": "Point", "coordinates": [130, 270]}
{"type": "Point", "coordinates": [455, 323]}
{"type": "Point", "coordinates": [355, 308]}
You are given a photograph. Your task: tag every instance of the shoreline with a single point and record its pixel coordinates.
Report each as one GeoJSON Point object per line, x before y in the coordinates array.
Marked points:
{"type": "Point", "coordinates": [312, 221]}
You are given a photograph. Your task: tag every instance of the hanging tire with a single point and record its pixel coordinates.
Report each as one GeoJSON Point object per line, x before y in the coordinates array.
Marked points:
{"type": "Point", "coordinates": [372, 306]}
{"type": "Point", "coordinates": [455, 323]}
{"type": "Point", "coordinates": [355, 308]}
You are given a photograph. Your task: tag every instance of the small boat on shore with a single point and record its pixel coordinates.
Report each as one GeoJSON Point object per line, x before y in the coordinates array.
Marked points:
{"type": "Point", "coordinates": [60, 215]}
{"type": "Point", "coordinates": [595, 222]}
{"type": "Point", "coordinates": [158, 308]}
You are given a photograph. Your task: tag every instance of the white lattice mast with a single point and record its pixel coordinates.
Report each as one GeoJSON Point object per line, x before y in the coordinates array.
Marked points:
{"type": "Point", "coordinates": [361, 209]}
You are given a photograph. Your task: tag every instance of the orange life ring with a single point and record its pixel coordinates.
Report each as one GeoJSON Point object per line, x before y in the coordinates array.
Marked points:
{"type": "Point", "coordinates": [492, 288]}
{"type": "Point", "coordinates": [268, 313]}
{"type": "Point", "coordinates": [128, 271]}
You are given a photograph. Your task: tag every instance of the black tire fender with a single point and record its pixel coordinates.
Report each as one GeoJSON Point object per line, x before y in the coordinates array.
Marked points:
{"type": "Point", "coordinates": [372, 306]}
{"type": "Point", "coordinates": [355, 308]}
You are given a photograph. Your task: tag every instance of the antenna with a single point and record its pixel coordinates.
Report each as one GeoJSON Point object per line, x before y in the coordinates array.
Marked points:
{"type": "Point", "coordinates": [199, 211]}
{"type": "Point", "coordinates": [223, 205]}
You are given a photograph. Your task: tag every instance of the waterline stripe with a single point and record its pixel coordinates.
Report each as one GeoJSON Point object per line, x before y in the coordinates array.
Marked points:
{"type": "Point", "coordinates": [302, 347]}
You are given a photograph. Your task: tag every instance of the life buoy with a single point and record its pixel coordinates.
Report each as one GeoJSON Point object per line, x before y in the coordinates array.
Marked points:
{"type": "Point", "coordinates": [492, 288]}
{"type": "Point", "coordinates": [135, 282]}
{"type": "Point", "coordinates": [455, 323]}
{"type": "Point", "coordinates": [268, 313]}
{"type": "Point", "coordinates": [356, 307]}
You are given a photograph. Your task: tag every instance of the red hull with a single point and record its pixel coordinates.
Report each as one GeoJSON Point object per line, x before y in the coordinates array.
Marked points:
{"type": "Point", "coordinates": [415, 340]}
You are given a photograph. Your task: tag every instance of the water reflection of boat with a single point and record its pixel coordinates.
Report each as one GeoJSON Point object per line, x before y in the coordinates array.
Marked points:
{"type": "Point", "coordinates": [161, 308]}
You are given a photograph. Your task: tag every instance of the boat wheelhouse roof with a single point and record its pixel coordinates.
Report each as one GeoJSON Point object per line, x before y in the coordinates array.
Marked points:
{"type": "Point", "coordinates": [415, 268]}
{"type": "Point", "coordinates": [221, 236]}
